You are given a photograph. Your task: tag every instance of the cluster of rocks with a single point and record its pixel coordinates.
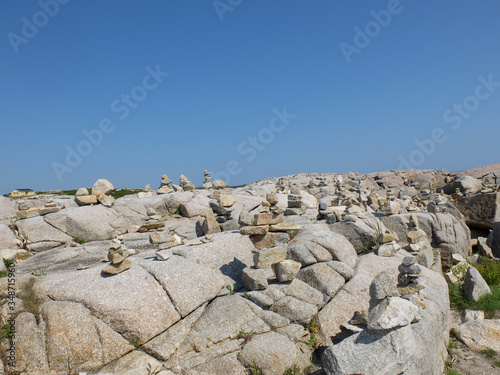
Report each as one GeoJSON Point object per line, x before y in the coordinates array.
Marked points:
{"type": "Point", "coordinates": [387, 324]}
{"type": "Point", "coordinates": [100, 194]}
{"type": "Point", "coordinates": [290, 277]}
{"type": "Point", "coordinates": [153, 221]}
{"type": "Point", "coordinates": [167, 187]}
{"type": "Point", "coordinates": [25, 211]}
{"type": "Point", "coordinates": [118, 256]}
{"type": "Point", "coordinates": [390, 308]}
{"type": "Point", "coordinates": [270, 235]}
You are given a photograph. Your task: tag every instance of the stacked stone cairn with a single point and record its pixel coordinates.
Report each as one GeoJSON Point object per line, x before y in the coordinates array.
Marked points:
{"type": "Point", "coordinates": [388, 245]}
{"type": "Point", "coordinates": [185, 184]}
{"type": "Point", "coordinates": [389, 308]}
{"type": "Point", "coordinates": [416, 237]}
{"type": "Point", "coordinates": [270, 235]}
{"type": "Point", "coordinates": [165, 187]}
{"type": "Point", "coordinates": [489, 186]}
{"type": "Point", "coordinates": [118, 256]}
{"type": "Point", "coordinates": [409, 286]}
{"type": "Point", "coordinates": [420, 246]}
{"type": "Point", "coordinates": [295, 205]}
{"type": "Point", "coordinates": [280, 185]}
{"type": "Point", "coordinates": [207, 184]}
{"type": "Point", "coordinates": [152, 221]}
{"type": "Point", "coordinates": [391, 206]}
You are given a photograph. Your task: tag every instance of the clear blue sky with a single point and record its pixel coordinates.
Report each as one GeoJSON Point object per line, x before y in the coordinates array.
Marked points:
{"type": "Point", "coordinates": [230, 70]}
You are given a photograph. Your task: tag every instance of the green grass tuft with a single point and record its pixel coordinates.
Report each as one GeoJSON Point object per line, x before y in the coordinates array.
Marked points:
{"type": "Point", "coordinates": [294, 370]}
{"type": "Point", "coordinates": [489, 270]}
{"type": "Point", "coordinates": [118, 193]}
{"type": "Point", "coordinates": [31, 301]}
{"type": "Point", "coordinates": [489, 304]}
{"type": "Point", "coordinates": [490, 353]}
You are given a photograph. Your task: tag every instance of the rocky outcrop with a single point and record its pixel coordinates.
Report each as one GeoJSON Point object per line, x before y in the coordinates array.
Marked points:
{"type": "Point", "coordinates": [480, 210]}
{"type": "Point", "coordinates": [478, 333]}
{"type": "Point", "coordinates": [89, 223]}
{"type": "Point", "coordinates": [464, 184]}
{"type": "Point", "coordinates": [494, 240]}
{"type": "Point", "coordinates": [226, 281]}
{"type": "Point", "coordinates": [8, 239]}
{"type": "Point", "coordinates": [7, 208]}
{"type": "Point", "coordinates": [40, 235]}
{"type": "Point", "coordinates": [413, 349]}
{"type": "Point", "coordinates": [447, 233]}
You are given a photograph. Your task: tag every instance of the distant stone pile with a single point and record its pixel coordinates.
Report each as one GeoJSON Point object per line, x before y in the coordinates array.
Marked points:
{"type": "Point", "coordinates": [100, 191]}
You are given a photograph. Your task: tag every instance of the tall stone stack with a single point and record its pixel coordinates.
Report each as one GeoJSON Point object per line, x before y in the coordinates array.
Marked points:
{"type": "Point", "coordinates": [280, 185]}
{"type": "Point", "coordinates": [409, 286]}
{"type": "Point", "coordinates": [420, 246]}
{"type": "Point", "coordinates": [295, 205]}
{"type": "Point", "coordinates": [270, 235]}
{"type": "Point", "coordinates": [387, 309]}
{"type": "Point", "coordinates": [207, 184]}
{"type": "Point", "coordinates": [391, 206]}
{"type": "Point", "coordinates": [118, 256]}
{"type": "Point", "coordinates": [165, 187]}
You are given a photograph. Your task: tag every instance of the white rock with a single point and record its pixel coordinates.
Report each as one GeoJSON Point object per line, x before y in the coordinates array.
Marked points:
{"type": "Point", "coordinates": [102, 186]}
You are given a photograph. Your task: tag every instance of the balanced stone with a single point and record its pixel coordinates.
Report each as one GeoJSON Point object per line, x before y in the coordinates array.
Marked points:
{"type": "Point", "coordinates": [294, 201]}
{"type": "Point", "coordinates": [81, 192]}
{"type": "Point", "coordinates": [226, 200]}
{"type": "Point", "coordinates": [85, 200]}
{"type": "Point", "coordinates": [254, 230]}
{"type": "Point", "coordinates": [268, 219]}
{"type": "Point", "coordinates": [272, 199]}
{"type": "Point", "coordinates": [115, 269]}
{"type": "Point", "coordinates": [207, 184]}
{"type": "Point", "coordinates": [165, 181]}
{"type": "Point", "coordinates": [384, 285]}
